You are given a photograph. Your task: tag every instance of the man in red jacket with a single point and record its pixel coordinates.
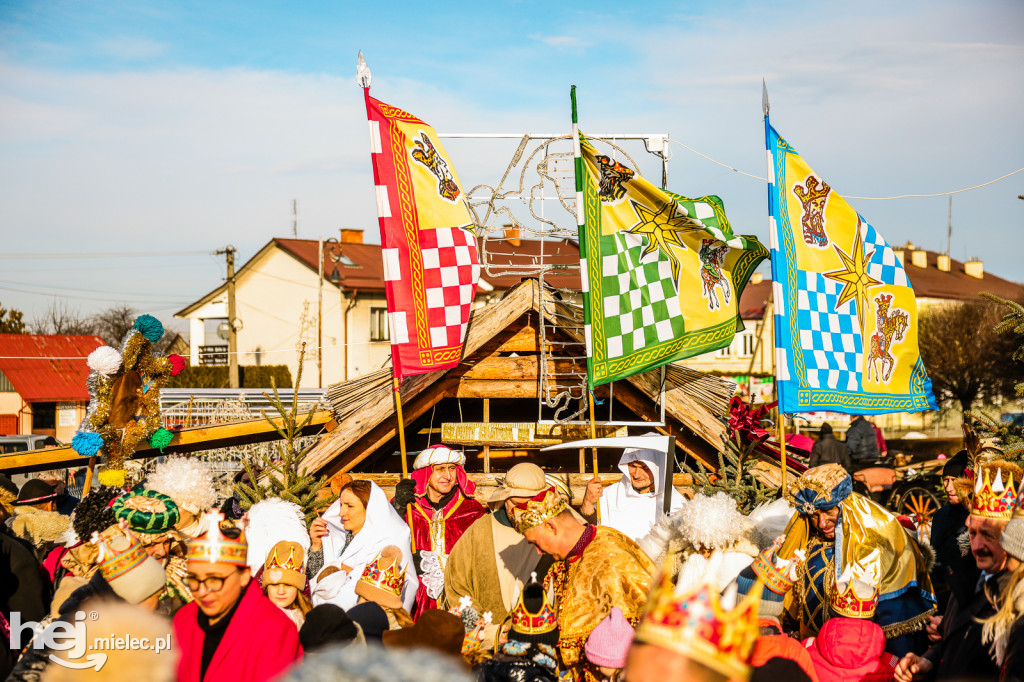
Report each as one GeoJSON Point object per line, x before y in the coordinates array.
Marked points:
{"type": "Point", "coordinates": [231, 631]}
{"type": "Point", "coordinates": [440, 509]}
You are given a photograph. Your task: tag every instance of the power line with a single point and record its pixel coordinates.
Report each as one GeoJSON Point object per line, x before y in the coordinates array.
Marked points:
{"type": "Point", "coordinates": [162, 296]}
{"type": "Point", "coordinates": [106, 254]}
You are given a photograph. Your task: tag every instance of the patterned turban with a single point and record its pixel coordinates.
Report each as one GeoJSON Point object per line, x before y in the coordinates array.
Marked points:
{"type": "Point", "coordinates": [820, 488]}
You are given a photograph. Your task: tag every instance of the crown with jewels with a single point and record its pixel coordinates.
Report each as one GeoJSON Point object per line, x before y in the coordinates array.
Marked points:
{"type": "Point", "coordinates": [995, 496]}
{"type": "Point", "coordinates": [385, 573]}
{"type": "Point", "coordinates": [543, 506]}
{"type": "Point", "coordinates": [289, 562]}
{"type": "Point", "coordinates": [694, 623]}
{"type": "Point", "coordinates": [214, 547]}
{"type": "Point", "coordinates": [539, 622]}
{"type": "Point", "coordinates": [777, 573]}
{"type": "Point", "coordinates": [118, 552]}
{"type": "Point", "coordinates": [856, 590]}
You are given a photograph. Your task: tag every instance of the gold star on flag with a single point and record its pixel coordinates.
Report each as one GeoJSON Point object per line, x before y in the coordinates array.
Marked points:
{"type": "Point", "coordinates": [854, 275]}
{"type": "Point", "coordinates": [662, 229]}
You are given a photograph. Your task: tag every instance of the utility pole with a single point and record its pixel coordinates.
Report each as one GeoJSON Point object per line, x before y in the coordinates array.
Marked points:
{"type": "Point", "coordinates": [949, 229]}
{"type": "Point", "coordinates": [320, 315]}
{"type": "Point", "coordinates": [229, 256]}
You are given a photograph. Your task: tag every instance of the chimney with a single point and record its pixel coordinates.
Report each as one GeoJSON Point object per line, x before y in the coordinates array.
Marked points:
{"type": "Point", "coordinates": [351, 236]}
{"type": "Point", "coordinates": [943, 262]}
{"type": "Point", "coordinates": [919, 258]}
{"type": "Point", "coordinates": [757, 278]}
{"type": "Point", "coordinates": [512, 235]}
{"type": "Point", "coordinates": [974, 268]}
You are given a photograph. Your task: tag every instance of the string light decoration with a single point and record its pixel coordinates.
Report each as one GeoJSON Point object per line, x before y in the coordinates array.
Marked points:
{"type": "Point", "coordinates": [124, 406]}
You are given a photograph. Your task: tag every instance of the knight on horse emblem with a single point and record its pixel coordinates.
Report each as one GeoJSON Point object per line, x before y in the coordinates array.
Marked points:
{"type": "Point", "coordinates": [890, 327]}
{"type": "Point", "coordinates": [427, 155]}
{"type": "Point", "coordinates": [712, 255]}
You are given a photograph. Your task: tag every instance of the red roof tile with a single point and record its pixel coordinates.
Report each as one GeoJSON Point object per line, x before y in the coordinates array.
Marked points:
{"type": "Point", "coordinates": [44, 377]}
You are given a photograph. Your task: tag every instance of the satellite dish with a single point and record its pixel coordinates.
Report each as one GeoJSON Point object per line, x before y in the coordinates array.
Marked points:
{"type": "Point", "coordinates": [224, 330]}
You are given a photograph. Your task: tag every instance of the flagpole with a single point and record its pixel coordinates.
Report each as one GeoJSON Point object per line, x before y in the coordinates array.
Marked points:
{"type": "Point", "coordinates": [580, 227]}
{"type": "Point", "coordinates": [781, 431]}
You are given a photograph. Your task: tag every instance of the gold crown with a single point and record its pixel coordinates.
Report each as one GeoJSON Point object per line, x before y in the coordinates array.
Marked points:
{"type": "Point", "coordinates": [384, 573]}
{"type": "Point", "coordinates": [539, 622]}
{"type": "Point", "coordinates": [216, 548]}
{"type": "Point", "coordinates": [859, 598]}
{"type": "Point", "coordinates": [538, 509]}
{"type": "Point", "coordinates": [994, 499]}
{"type": "Point", "coordinates": [290, 562]}
{"type": "Point", "coordinates": [693, 623]}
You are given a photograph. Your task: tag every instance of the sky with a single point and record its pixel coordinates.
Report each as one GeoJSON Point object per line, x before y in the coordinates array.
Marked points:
{"type": "Point", "coordinates": [172, 129]}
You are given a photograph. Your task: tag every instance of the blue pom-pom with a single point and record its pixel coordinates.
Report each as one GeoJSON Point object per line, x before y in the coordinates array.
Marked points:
{"type": "Point", "coordinates": [150, 327]}
{"type": "Point", "coordinates": [86, 443]}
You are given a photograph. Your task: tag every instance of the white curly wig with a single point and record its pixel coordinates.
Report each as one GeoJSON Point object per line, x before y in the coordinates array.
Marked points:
{"type": "Point", "coordinates": [706, 522]}
{"type": "Point", "coordinates": [185, 480]}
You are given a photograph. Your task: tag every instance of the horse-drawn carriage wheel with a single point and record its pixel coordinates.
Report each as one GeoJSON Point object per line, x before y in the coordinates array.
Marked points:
{"type": "Point", "coordinates": [920, 503]}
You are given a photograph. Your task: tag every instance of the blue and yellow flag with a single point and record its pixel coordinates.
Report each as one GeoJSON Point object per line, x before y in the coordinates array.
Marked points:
{"type": "Point", "coordinates": [845, 312]}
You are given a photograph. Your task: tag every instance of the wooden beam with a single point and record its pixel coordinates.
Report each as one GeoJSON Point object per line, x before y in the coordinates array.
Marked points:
{"type": "Point", "coordinates": [641, 404]}
{"type": "Point", "coordinates": [494, 389]}
{"type": "Point", "coordinates": [522, 367]}
{"type": "Point", "coordinates": [192, 439]}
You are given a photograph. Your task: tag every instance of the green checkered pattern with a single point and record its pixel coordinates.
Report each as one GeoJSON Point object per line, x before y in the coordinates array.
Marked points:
{"type": "Point", "coordinates": [641, 304]}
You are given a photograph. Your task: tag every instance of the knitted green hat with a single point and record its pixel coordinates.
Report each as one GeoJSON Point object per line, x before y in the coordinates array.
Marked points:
{"type": "Point", "coordinates": [147, 511]}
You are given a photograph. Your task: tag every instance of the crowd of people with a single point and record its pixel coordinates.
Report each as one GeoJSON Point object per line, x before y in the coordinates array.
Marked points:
{"type": "Point", "coordinates": [637, 584]}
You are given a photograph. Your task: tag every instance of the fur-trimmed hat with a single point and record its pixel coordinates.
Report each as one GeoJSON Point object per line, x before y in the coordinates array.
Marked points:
{"type": "Point", "coordinates": [187, 481]}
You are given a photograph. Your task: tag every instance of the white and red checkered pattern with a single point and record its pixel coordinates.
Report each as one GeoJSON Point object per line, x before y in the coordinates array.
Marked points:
{"type": "Point", "coordinates": [451, 270]}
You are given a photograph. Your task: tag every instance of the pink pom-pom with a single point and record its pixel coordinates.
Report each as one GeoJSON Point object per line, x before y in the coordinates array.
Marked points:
{"type": "Point", "coordinates": [177, 364]}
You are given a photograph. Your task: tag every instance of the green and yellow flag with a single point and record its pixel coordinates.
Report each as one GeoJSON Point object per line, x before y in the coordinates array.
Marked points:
{"type": "Point", "coordinates": [662, 274]}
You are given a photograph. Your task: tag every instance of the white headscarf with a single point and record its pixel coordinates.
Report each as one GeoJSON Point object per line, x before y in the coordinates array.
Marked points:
{"type": "Point", "coordinates": [633, 513]}
{"type": "Point", "coordinates": [383, 527]}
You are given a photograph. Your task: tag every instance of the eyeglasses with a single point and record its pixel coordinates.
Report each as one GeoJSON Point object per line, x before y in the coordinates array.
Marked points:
{"type": "Point", "coordinates": [213, 583]}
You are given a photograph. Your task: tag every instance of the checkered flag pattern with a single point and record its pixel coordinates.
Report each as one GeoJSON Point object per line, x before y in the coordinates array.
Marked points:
{"type": "Point", "coordinates": [641, 305]}
{"type": "Point", "coordinates": [883, 266]}
{"type": "Point", "coordinates": [831, 341]}
{"type": "Point", "coordinates": [451, 269]}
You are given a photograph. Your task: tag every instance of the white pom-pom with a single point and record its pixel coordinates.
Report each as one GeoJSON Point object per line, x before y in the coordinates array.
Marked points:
{"type": "Point", "coordinates": [105, 360]}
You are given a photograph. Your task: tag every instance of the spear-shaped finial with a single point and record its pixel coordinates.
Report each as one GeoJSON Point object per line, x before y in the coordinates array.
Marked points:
{"type": "Point", "coordinates": [764, 96]}
{"type": "Point", "coordinates": [363, 75]}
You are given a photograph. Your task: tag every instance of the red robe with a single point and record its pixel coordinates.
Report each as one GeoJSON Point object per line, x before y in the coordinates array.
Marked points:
{"type": "Point", "coordinates": [454, 519]}
{"type": "Point", "coordinates": [259, 644]}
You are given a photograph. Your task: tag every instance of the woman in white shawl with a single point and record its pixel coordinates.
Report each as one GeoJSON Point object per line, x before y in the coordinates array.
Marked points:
{"type": "Point", "coordinates": [636, 503]}
{"type": "Point", "coordinates": [361, 523]}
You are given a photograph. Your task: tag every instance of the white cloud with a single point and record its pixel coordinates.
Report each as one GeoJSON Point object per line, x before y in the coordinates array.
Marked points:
{"type": "Point", "coordinates": [131, 48]}
{"type": "Point", "coordinates": [559, 41]}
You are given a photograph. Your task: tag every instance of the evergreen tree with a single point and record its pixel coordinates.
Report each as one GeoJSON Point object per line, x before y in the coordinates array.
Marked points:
{"type": "Point", "coordinates": [735, 475]}
{"type": "Point", "coordinates": [281, 474]}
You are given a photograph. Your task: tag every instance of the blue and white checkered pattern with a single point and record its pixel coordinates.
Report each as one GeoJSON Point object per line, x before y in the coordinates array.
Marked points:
{"type": "Point", "coordinates": [883, 266]}
{"type": "Point", "coordinates": [831, 340]}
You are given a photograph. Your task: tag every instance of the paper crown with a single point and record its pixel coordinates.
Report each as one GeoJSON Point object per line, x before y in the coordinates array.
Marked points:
{"type": "Point", "coordinates": [694, 623]}
{"type": "Point", "coordinates": [284, 565]}
{"type": "Point", "coordinates": [539, 622]}
{"type": "Point", "coordinates": [994, 497]}
{"type": "Point", "coordinates": [119, 552]}
{"type": "Point", "coordinates": [778, 574]}
{"type": "Point", "coordinates": [856, 590]}
{"type": "Point", "coordinates": [383, 578]}
{"type": "Point", "coordinates": [214, 547]}
{"type": "Point", "coordinates": [543, 506]}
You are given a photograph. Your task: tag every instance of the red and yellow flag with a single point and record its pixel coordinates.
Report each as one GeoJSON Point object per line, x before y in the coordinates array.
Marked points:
{"type": "Point", "coordinates": [431, 266]}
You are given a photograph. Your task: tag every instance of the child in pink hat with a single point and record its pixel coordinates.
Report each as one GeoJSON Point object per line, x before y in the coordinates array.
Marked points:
{"type": "Point", "coordinates": [608, 644]}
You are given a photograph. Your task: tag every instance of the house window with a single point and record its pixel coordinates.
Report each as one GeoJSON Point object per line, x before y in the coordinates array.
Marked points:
{"type": "Point", "coordinates": [379, 324]}
{"type": "Point", "coordinates": [747, 343]}
{"type": "Point", "coordinates": [724, 352]}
